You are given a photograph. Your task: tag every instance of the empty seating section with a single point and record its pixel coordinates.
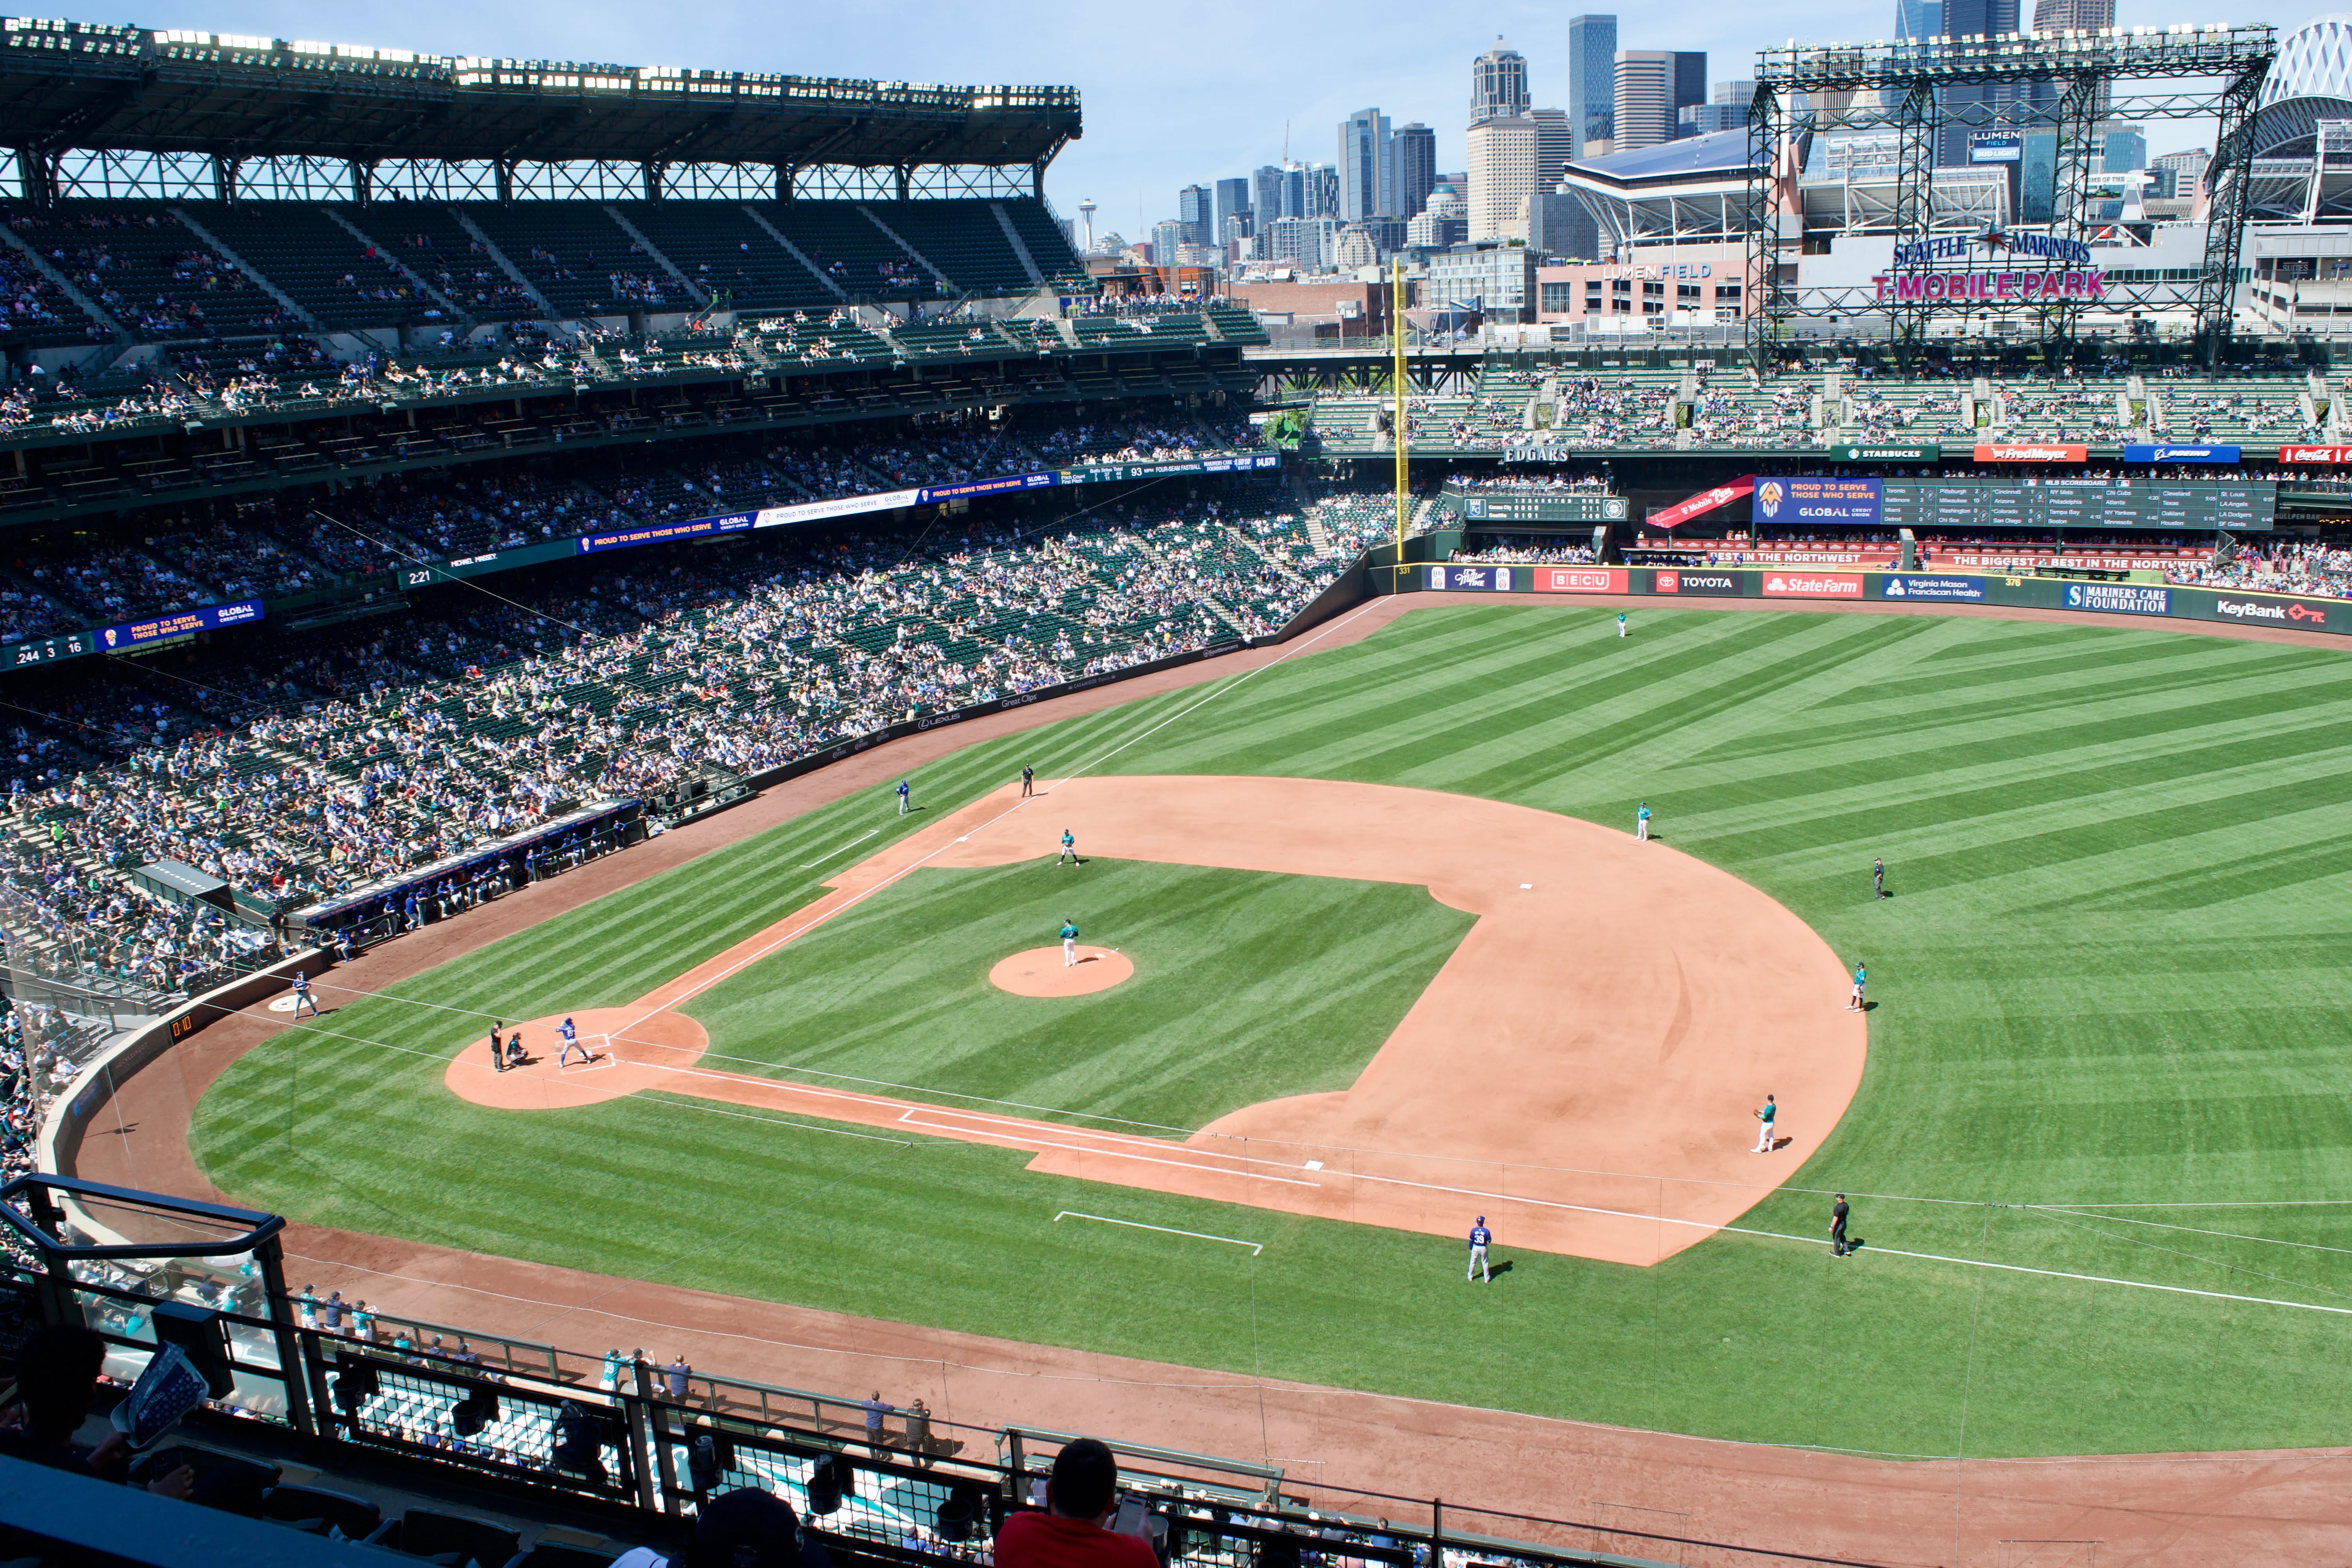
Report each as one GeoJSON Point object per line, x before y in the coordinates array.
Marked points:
{"type": "Point", "coordinates": [842, 243]}
{"type": "Point", "coordinates": [147, 270]}
{"type": "Point", "coordinates": [718, 245]}
{"type": "Point", "coordinates": [427, 238]}
{"type": "Point", "coordinates": [578, 258]}
{"type": "Point", "coordinates": [958, 339]}
{"type": "Point", "coordinates": [319, 266]}
{"type": "Point", "coordinates": [962, 239]}
{"type": "Point", "coordinates": [1237, 324]}
{"type": "Point", "coordinates": [1048, 247]}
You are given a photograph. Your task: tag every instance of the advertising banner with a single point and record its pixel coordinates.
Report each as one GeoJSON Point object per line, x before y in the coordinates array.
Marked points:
{"type": "Point", "coordinates": [2019, 452]}
{"type": "Point", "coordinates": [840, 506]}
{"type": "Point", "coordinates": [1581, 579]}
{"type": "Point", "coordinates": [997, 486]}
{"type": "Point", "coordinates": [184, 624]}
{"type": "Point", "coordinates": [1096, 473]}
{"type": "Point", "coordinates": [1813, 584]}
{"type": "Point", "coordinates": [1854, 500]}
{"type": "Point", "coordinates": [2247, 610]}
{"type": "Point", "coordinates": [1727, 584]}
{"type": "Point", "coordinates": [1945, 590]}
{"type": "Point", "coordinates": [1472, 579]}
{"type": "Point", "coordinates": [2118, 598]}
{"type": "Point", "coordinates": [1928, 454]}
{"type": "Point", "coordinates": [2228, 455]}
{"type": "Point", "coordinates": [2326, 455]}
{"type": "Point", "coordinates": [664, 532]}
{"type": "Point", "coordinates": [1698, 505]}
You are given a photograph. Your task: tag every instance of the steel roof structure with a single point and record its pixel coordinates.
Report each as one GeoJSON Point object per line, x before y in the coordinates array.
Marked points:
{"type": "Point", "coordinates": [2081, 77]}
{"type": "Point", "coordinates": [79, 85]}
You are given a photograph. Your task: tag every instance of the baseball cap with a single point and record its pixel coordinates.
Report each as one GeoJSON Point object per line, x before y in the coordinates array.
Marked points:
{"type": "Point", "coordinates": [746, 1529]}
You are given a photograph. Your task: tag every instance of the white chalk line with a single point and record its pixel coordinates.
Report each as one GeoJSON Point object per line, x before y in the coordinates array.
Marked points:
{"type": "Point", "coordinates": [1256, 1247]}
{"type": "Point", "coordinates": [812, 865]}
{"type": "Point", "coordinates": [1041, 1144]}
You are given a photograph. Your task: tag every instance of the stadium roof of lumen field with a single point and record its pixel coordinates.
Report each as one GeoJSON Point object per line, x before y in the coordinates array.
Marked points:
{"type": "Point", "coordinates": [72, 84]}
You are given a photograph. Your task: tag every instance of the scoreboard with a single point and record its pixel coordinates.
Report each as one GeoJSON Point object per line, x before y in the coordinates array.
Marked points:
{"type": "Point", "coordinates": [1486, 508]}
{"type": "Point", "coordinates": [1971, 504]}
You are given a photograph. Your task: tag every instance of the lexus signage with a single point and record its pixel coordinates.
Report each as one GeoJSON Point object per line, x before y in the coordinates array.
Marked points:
{"type": "Point", "coordinates": [1678, 582]}
{"type": "Point", "coordinates": [1813, 584]}
{"type": "Point", "coordinates": [1581, 579]}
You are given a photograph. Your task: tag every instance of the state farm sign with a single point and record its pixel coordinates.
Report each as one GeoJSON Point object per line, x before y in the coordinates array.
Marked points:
{"type": "Point", "coordinates": [1813, 584]}
{"type": "Point", "coordinates": [1581, 579]}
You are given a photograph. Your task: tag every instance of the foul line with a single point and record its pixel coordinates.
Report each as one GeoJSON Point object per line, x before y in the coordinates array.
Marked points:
{"type": "Point", "coordinates": [812, 865]}
{"type": "Point", "coordinates": [1256, 1248]}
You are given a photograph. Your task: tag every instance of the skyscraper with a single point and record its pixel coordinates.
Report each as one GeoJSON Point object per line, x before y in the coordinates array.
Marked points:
{"type": "Point", "coordinates": [1233, 201]}
{"type": "Point", "coordinates": [2050, 15]}
{"type": "Point", "coordinates": [1498, 85]}
{"type": "Point", "coordinates": [1197, 213]}
{"type": "Point", "coordinates": [1318, 191]}
{"type": "Point", "coordinates": [1416, 167]}
{"type": "Point", "coordinates": [1919, 18]}
{"type": "Point", "coordinates": [1592, 79]}
{"type": "Point", "coordinates": [1367, 166]}
{"type": "Point", "coordinates": [1690, 80]}
{"type": "Point", "coordinates": [1645, 98]}
{"type": "Point", "coordinates": [1514, 164]}
{"type": "Point", "coordinates": [1274, 195]}
{"type": "Point", "coordinates": [1976, 106]}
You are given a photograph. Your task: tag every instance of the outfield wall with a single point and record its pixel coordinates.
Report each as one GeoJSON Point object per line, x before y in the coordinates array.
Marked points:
{"type": "Point", "coordinates": [2157, 601]}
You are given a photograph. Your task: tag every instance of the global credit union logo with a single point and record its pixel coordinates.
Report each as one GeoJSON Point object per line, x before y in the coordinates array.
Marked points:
{"type": "Point", "coordinates": [1768, 495]}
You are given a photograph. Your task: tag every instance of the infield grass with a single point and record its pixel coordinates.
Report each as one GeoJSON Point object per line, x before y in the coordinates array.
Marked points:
{"type": "Point", "coordinates": [2112, 973]}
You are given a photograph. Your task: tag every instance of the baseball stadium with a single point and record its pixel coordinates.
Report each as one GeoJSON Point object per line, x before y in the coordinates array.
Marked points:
{"type": "Point", "coordinates": [690, 811]}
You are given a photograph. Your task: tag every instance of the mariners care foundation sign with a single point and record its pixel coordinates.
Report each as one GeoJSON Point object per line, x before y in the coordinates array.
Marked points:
{"type": "Point", "coordinates": [1946, 267]}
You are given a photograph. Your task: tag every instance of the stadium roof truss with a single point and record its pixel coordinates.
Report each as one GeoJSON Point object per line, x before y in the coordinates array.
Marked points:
{"type": "Point", "coordinates": [2064, 82]}
{"type": "Point", "coordinates": [69, 87]}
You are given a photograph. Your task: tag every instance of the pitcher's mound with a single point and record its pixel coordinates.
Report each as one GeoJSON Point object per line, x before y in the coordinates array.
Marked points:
{"type": "Point", "coordinates": [1040, 972]}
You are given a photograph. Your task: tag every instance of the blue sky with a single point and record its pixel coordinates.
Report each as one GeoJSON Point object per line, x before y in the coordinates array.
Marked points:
{"type": "Point", "coordinates": [1172, 96]}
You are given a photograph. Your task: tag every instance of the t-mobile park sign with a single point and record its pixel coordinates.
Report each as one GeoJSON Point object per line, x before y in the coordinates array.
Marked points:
{"type": "Point", "coordinates": [1922, 272]}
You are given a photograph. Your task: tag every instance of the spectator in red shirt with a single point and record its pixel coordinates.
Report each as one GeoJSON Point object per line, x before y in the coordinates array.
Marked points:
{"type": "Point", "coordinates": [1070, 1533]}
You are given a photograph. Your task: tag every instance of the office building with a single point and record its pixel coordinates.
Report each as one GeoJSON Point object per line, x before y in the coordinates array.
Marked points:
{"type": "Point", "coordinates": [1498, 85]}
{"type": "Point", "coordinates": [1320, 191]}
{"type": "Point", "coordinates": [1977, 107]}
{"type": "Point", "coordinates": [2123, 148]}
{"type": "Point", "coordinates": [2052, 15]}
{"type": "Point", "coordinates": [1511, 159]}
{"type": "Point", "coordinates": [1706, 119]}
{"type": "Point", "coordinates": [1498, 280]}
{"type": "Point", "coordinates": [1644, 105]}
{"type": "Point", "coordinates": [1196, 210]}
{"type": "Point", "coordinates": [1919, 18]}
{"type": "Point", "coordinates": [1416, 167]}
{"type": "Point", "coordinates": [1442, 221]}
{"type": "Point", "coordinates": [1309, 243]}
{"type": "Point", "coordinates": [1276, 193]}
{"type": "Point", "coordinates": [1592, 79]}
{"type": "Point", "coordinates": [1167, 242]}
{"type": "Point", "coordinates": [1690, 80]}
{"type": "Point", "coordinates": [1233, 202]}
{"type": "Point", "coordinates": [1367, 166]}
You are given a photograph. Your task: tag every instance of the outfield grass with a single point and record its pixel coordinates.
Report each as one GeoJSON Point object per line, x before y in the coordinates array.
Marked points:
{"type": "Point", "coordinates": [1248, 985]}
{"type": "Point", "coordinates": [2111, 974]}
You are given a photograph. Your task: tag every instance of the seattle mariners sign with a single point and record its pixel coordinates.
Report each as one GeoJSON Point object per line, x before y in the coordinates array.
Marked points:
{"type": "Point", "coordinates": [1919, 273]}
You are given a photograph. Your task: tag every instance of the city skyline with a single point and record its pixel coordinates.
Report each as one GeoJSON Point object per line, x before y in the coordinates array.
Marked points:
{"type": "Point", "coordinates": [1157, 120]}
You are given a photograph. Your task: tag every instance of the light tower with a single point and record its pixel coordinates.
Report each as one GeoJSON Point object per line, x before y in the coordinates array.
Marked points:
{"type": "Point", "coordinates": [1086, 226]}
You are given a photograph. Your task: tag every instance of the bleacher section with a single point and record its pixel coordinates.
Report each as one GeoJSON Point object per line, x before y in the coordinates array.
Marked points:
{"type": "Point", "coordinates": [962, 239]}
{"type": "Point", "coordinates": [579, 260]}
{"type": "Point", "coordinates": [427, 238]}
{"type": "Point", "coordinates": [144, 267]}
{"type": "Point", "coordinates": [842, 243]}
{"type": "Point", "coordinates": [320, 266]}
{"type": "Point", "coordinates": [718, 245]}
{"type": "Point", "coordinates": [1047, 246]}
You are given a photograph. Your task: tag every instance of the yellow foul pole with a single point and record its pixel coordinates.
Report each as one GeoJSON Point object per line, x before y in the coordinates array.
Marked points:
{"type": "Point", "coordinates": [1396, 375]}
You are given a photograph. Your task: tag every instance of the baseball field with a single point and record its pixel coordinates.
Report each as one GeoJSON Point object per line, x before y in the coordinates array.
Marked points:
{"type": "Point", "coordinates": [2098, 1151]}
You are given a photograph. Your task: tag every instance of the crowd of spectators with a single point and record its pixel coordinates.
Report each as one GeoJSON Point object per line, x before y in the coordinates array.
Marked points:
{"type": "Point", "coordinates": [2310, 567]}
{"type": "Point", "coordinates": [360, 752]}
{"type": "Point", "coordinates": [1525, 549]}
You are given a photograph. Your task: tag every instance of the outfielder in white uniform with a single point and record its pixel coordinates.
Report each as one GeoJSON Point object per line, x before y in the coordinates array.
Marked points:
{"type": "Point", "coordinates": [1479, 1238]}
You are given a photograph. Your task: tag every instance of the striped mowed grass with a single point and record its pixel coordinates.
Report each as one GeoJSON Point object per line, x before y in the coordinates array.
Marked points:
{"type": "Point", "coordinates": [2101, 1159]}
